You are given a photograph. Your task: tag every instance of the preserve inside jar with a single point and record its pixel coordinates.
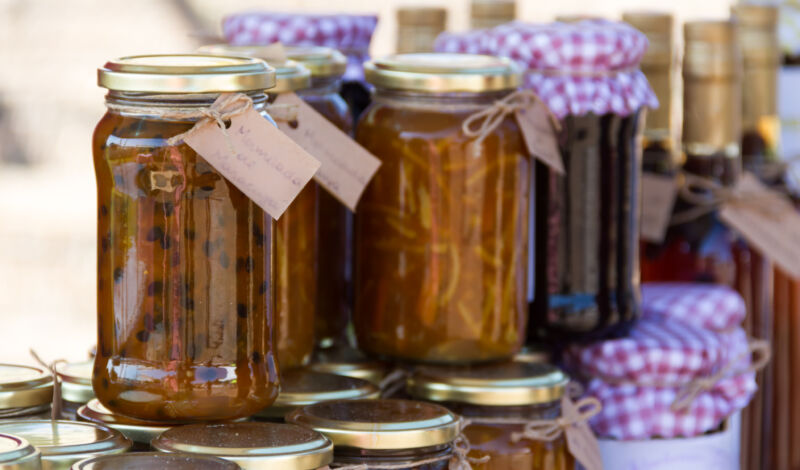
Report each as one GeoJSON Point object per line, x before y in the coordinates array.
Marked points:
{"type": "Point", "coordinates": [442, 229]}
{"type": "Point", "coordinates": [252, 445]}
{"type": "Point", "coordinates": [25, 392]}
{"type": "Point", "coordinates": [498, 400]}
{"type": "Point", "coordinates": [384, 432]}
{"type": "Point", "coordinates": [138, 431]}
{"type": "Point", "coordinates": [18, 454]}
{"type": "Point", "coordinates": [148, 460]}
{"type": "Point", "coordinates": [184, 279]}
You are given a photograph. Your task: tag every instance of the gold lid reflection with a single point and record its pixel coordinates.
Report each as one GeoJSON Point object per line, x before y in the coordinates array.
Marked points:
{"type": "Point", "coordinates": [24, 387]}
{"type": "Point", "coordinates": [18, 454]}
{"type": "Point", "coordinates": [289, 75]}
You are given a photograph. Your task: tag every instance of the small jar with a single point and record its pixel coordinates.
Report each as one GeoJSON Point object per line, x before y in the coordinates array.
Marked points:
{"type": "Point", "coordinates": [139, 432]}
{"type": "Point", "coordinates": [62, 443]}
{"type": "Point", "coordinates": [184, 279]}
{"type": "Point", "coordinates": [384, 432]}
{"type": "Point", "coordinates": [76, 386]}
{"type": "Point", "coordinates": [442, 229]}
{"type": "Point", "coordinates": [18, 454]}
{"type": "Point", "coordinates": [148, 460]}
{"type": "Point", "coordinates": [349, 362]}
{"type": "Point", "coordinates": [25, 392]}
{"type": "Point", "coordinates": [498, 400]}
{"type": "Point", "coordinates": [418, 27]}
{"type": "Point", "coordinates": [303, 387]}
{"type": "Point", "coordinates": [252, 446]}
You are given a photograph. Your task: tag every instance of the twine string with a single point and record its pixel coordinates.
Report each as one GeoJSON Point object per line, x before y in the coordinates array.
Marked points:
{"type": "Point", "coordinates": [548, 430]}
{"type": "Point", "coordinates": [224, 108]}
{"type": "Point", "coordinates": [393, 382]}
{"type": "Point", "coordinates": [55, 409]}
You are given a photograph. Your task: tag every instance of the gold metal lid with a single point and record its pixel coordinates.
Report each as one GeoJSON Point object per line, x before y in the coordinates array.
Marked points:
{"type": "Point", "coordinates": [138, 431]}
{"type": "Point", "coordinates": [18, 454]}
{"type": "Point", "coordinates": [289, 75]}
{"type": "Point", "coordinates": [758, 33]}
{"type": "Point", "coordinates": [186, 73]}
{"type": "Point", "coordinates": [535, 354]}
{"type": "Point", "coordinates": [24, 387]}
{"type": "Point", "coordinates": [380, 424]}
{"type": "Point", "coordinates": [507, 384]}
{"type": "Point", "coordinates": [505, 9]}
{"type": "Point", "coordinates": [422, 16]}
{"type": "Point", "coordinates": [660, 31]}
{"type": "Point", "coordinates": [76, 381]}
{"type": "Point", "coordinates": [711, 50]}
{"type": "Point", "coordinates": [300, 387]}
{"type": "Point", "coordinates": [155, 460]}
{"type": "Point", "coordinates": [275, 446]}
{"type": "Point", "coordinates": [320, 61]}
{"type": "Point", "coordinates": [349, 362]}
{"type": "Point", "coordinates": [63, 443]}
{"type": "Point", "coordinates": [443, 73]}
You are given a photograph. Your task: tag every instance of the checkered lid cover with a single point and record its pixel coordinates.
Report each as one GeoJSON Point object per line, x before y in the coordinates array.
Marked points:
{"type": "Point", "coordinates": [576, 68]}
{"type": "Point", "coordinates": [713, 307]}
{"type": "Point", "coordinates": [351, 34]}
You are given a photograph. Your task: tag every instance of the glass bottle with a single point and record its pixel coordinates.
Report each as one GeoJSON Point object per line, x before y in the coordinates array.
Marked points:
{"type": "Point", "coordinates": [184, 280]}
{"type": "Point", "coordinates": [418, 27]}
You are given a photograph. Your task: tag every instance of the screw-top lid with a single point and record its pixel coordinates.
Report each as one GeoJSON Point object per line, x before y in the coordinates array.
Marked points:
{"type": "Point", "coordinates": [24, 387]}
{"type": "Point", "coordinates": [321, 61]}
{"type": "Point", "coordinates": [270, 446]}
{"type": "Point", "coordinates": [153, 460]}
{"type": "Point", "coordinates": [63, 443]}
{"type": "Point", "coordinates": [380, 424]}
{"type": "Point", "coordinates": [350, 363]}
{"type": "Point", "coordinates": [186, 73]}
{"type": "Point", "coordinates": [18, 454]}
{"type": "Point", "coordinates": [138, 431]}
{"type": "Point", "coordinates": [289, 75]}
{"type": "Point", "coordinates": [76, 381]}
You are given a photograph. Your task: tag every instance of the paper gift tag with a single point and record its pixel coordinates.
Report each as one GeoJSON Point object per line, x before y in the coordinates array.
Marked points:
{"type": "Point", "coordinates": [768, 221]}
{"type": "Point", "coordinates": [257, 158]}
{"type": "Point", "coordinates": [346, 167]}
{"type": "Point", "coordinates": [658, 199]}
{"type": "Point", "coordinates": [540, 136]}
{"type": "Point", "coordinates": [581, 440]}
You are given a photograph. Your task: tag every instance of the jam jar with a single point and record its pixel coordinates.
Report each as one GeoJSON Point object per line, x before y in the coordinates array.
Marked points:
{"type": "Point", "coordinates": [18, 454]}
{"type": "Point", "coordinates": [402, 433]}
{"type": "Point", "coordinates": [147, 460]}
{"type": "Point", "coordinates": [25, 392]}
{"type": "Point", "coordinates": [442, 229]}
{"type": "Point", "coordinates": [184, 279]}
{"type": "Point", "coordinates": [498, 400]}
{"type": "Point", "coordinates": [252, 446]}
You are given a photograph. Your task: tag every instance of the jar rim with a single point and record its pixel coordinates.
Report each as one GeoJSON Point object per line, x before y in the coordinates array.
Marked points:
{"type": "Point", "coordinates": [14, 449]}
{"type": "Point", "coordinates": [63, 441]}
{"type": "Point", "coordinates": [137, 431]}
{"type": "Point", "coordinates": [24, 386]}
{"type": "Point", "coordinates": [290, 75]}
{"type": "Point", "coordinates": [76, 380]}
{"type": "Point", "coordinates": [320, 61]}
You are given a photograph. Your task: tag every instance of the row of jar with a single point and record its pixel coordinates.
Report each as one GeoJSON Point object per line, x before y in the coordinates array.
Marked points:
{"type": "Point", "coordinates": [333, 418]}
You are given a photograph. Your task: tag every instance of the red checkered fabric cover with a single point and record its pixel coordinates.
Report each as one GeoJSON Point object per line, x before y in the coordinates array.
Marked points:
{"type": "Point", "coordinates": [576, 68]}
{"type": "Point", "coordinates": [714, 307]}
{"type": "Point", "coordinates": [350, 34]}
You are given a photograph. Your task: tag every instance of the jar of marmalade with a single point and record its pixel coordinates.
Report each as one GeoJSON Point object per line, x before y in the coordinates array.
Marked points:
{"type": "Point", "coordinates": [442, 229]}
{"type": "Point", "coordinates": [184, 279]}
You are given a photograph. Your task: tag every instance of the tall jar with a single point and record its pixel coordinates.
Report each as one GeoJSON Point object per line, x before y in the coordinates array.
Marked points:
{"type": "Point", "coordinates": [184, 287]}
{"type": "Point", "coordinates": [442, 229]}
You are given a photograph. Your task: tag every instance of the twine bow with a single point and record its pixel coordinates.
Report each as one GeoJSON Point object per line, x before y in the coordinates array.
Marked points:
{"type": "Point", "coordinates": [482, 123]}
{"type": "Point", "coordinates": [55, 409]}
{"type": "Point", "coordinates": [548, 430]}
{"type": "Point", "coordinates": [224, 108]}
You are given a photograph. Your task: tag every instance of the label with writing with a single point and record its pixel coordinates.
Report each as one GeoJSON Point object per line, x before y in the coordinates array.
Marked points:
{"type": "Point", "coordinates": [768, 221]}
{"type": "Point", "coordinates": [346, 167]}
{"type": "Point", "coordinates": [658, 199]}
{"type": "Point", "coordinates": [257, 158]}
{"type": "Point", "coordinates": [581, 441]}
{"type": "Point", "coordinates": [540, 135]}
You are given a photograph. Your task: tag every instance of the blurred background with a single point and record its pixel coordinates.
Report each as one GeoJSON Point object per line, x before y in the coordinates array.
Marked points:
{"type": "Point", "coordinates": [49, 104]}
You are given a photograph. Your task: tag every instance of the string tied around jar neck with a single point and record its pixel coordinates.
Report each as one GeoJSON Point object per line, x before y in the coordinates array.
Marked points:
{"type": "Point", "coordinates": [55, 409]}
{"type": "Point", "coordinates": [393, 382]}
{"type": "Point", "coordinates": [224, 108]}
{"type": "Point", "coordinates": [459, 460]}
{"type": "Point", "coordinates": [480, 124]}
{"type": "Point", "coordinates": [548, 430]}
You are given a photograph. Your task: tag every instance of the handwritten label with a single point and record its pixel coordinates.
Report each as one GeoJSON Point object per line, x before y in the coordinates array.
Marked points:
{"type": "Point", "coordinates": [257, 158]}
{"type": "Point", "coordinates": [346, 167]}
{"type": "Point", "coordinates": [581, 441]}
{"type": "Point", "coordinates": [768, 221]}
{"type": "Point", "coordinates": [658, 199]}
{"type": "Point", "coordinates": [540, 135]}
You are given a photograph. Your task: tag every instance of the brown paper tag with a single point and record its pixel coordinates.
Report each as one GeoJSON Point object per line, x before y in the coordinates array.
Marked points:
{"type": "Point", "coordinates": [772, 225]}
{"type": "Point", "coordinates": [346, 167]}
{"type": "Point", "coordinates": [540, 136]}
{"type": "Point", "coordinates": [274, 51]}
{"type": "Point", "coordinates": [581, 441]}
{"type": "Point", "coordinates": [658, 199]}
{"type": "Point", "coordinates": [264, 164]}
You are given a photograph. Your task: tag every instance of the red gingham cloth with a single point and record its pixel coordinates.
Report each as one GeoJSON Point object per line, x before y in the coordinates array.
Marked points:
{"type": "Point", "coordinates": [576, 68]}
{"type": "Point", "coordinates": [713, 307]}
{"type": "Point", "coordinates": [351, 34]}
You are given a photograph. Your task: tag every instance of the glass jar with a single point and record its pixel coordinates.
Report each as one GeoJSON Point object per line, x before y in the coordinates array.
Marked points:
{"type": "Point", "coordinates": [184, 287]}
{"type": "Point", "coordinates": [349, 362]}
{"type": "Point", "coordinates": [139, 432]}
{"type": "Point", "coordinates": [303, 387]}
{"type": "Point", "coordinates": [18, 454]}
{"type": "Point", "coordinates": [252, 445]}
{"type": "Point", "coordinates": [442, 229]}
{"type": "Point", "coordinates": [147, 460]}
{"type": "Point", "coordinates": [25, 392]}
{"type": "Point", "coordinates": [76, 386]}
{"type": "Point", "coordinates": [486, 14]}
{"type": "Point", "coordinates": [498, 400]}
{"type": "Point", "coordinates": [384, 432]}
{"type": "Point", "coordinates": [62, 443]}
{"type": "Point", "coordinates": [418, 27]}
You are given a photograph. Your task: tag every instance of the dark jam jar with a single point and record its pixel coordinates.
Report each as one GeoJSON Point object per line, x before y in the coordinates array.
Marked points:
{"type": "Point", "coordinates": [402, 433]}
{"type": "Point", "coordinates": [184, 277]}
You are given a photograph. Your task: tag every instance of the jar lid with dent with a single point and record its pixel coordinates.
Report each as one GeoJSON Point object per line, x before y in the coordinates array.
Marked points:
{"type": "Point", "coordinates": [252, 445]}
{"type": "Point", "coordinates": [321, 61]}
{"type": "Point", "coordinates": [289, 75]}
{"type": "Point", "coordinates": [17, 453]}
{"type": "Point", "coordinates": [160, 460]}
{"type": "Point", "coordinates": [507, 384]}
{"type": "Point", "coordinates": [349, 362]}
{"type": "Point", "coordinates": [302, 387]}
{"type": "Point", "coordinates": [63, 443]}
{"type": "Point", "coordinates": [186, 73]}
{"type": "Point", "coordinates": [711, 50]}
{"type": "Point", "coordinates": [660, 31]}
{"type": "Point", "coordinates": [139, 431]}
{"type": "Point", "coordinates": [444, 73]}
{"type": "Point", "coordinates": [76, 381]}
{"type": "Point", "coordinates": [382, 424]}
{"type": "Point", "coordinates": [24, 387]}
